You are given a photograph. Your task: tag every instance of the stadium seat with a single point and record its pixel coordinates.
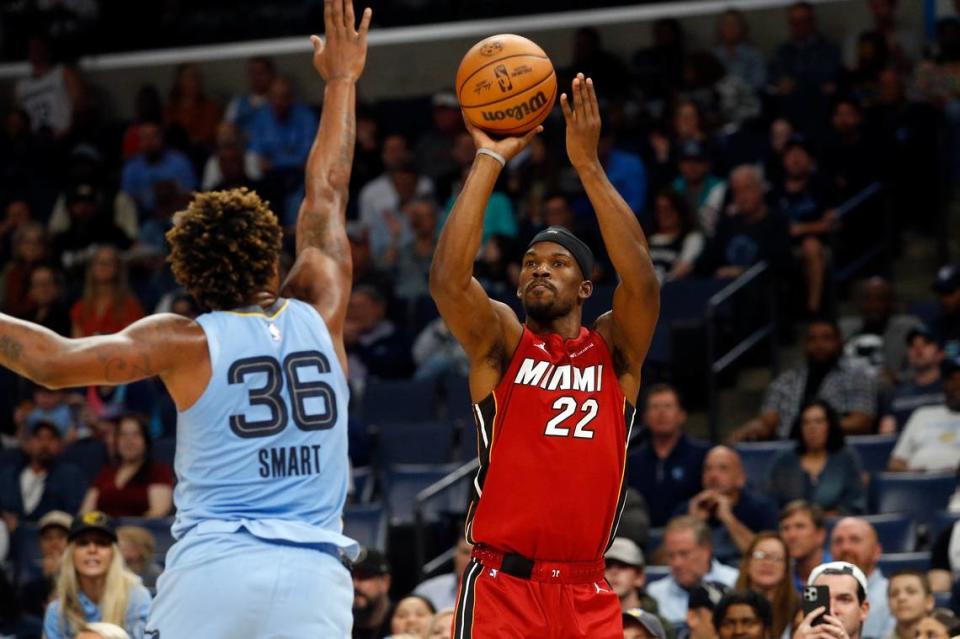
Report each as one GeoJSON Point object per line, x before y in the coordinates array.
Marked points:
{"type": "Point", "coordinates": [87, 454]}
{"type": "Point", "coordinates": [367, 524]}
{"type": "Point", "coordinates": [422, 442]}
{"type": "Point", "coordinates": [654, 573]}
{"type": "Point", "coordinates": [599, 302]}
{"type": "Point", "coordinates": [940, 522]}
{"type": "Point", "coordinates": [941, 599]}
{"type": "Point", "coordinates": [920, 495]}
{"type": "Point", "coordinates": [402, 483]}
{"type": "Point", "coordinates": [874, 450]}
{"type": "Point", "coordinates": [654, 541]}
{"type": "Point", "coordinates": [407, 400]}
{"type": "Point", "coordinates": [362, 477]}
{"type": "Point", "coordinates": [757, 459]}
{"type": "Point", "coordinates": [164, 449]}
{"type": "Point", "coordinates": [456, 399]}
{"type": "Point", "coordinates": [25, 553]}
{"type": "Point", "coordinates": [897, 532]}
{"type": "Point", "coordinates": [891, 563]}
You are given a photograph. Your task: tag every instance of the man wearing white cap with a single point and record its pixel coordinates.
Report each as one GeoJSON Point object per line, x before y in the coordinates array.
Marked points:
{"type": "Point", "coordinates": [849, 607]}
{"type": "Point", "coordinates": [855, 540]}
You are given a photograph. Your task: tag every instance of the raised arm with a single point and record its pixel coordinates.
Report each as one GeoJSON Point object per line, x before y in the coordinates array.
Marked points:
{"type": "Point", "coordinates": [485, 328]}
{"type": "Point", "coordinates": [636, 301]}
{"type": "Point", "coordinates": [157, 345]}
{"type": "Point", "coordinates": [322, 272]}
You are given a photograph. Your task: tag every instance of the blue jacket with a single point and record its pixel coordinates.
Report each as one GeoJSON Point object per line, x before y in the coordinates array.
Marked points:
{"type": "Point", "coordinates": [64, 489]}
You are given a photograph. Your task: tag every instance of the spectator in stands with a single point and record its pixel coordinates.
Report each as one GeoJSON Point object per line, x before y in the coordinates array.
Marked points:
{"type": "Point", "coordinates": [134, 486]}
{"type": "Point", "coordinates": [855, 540]}
{"type": "Point", "coordinates": [409, 258]}
{"type": "Point", "coordinates": [765, 569]}
{"type": "Point", "coordinates": [231, 165]}
{"type": "Point", "coordinates": [703, 601]}
{"type": "Point", "coordinates": [703, 192]}
{"type": "Point", "coordinates": [641, 624]}
{"type": "Point", "coordinates": [850, 159]}
{"type": "Point", "coordinates": [498, 270]}
{"type": "Point", "coordinates": [594, 61]}
{"type": "Point", "coordinates": [689, 548]}
{"type": "Point", "coordinates": [372, 609]}
{"type": "Point", "coordinates": [51, 93]}
{"type": "Point", "coordinates": [877, 323]}
{"type": "Point", "coordinates": [364, 270]}
{"type": "Point", "coordinates": [155, 164]}
{"type": "Point", "coordinates": [434, 149]}
{"type": "Point", "coordinates": [744, 615]}
{"type": "Point", "coordinates": [243, 108]}
{"type": "Point", "coordinates": [852, 394]}
{"type": "Point", "coordinates": [821, 469]}
{"type": "Point", "coordinates": [29, 250]}
{"type": "Point", "coordinates": [38, 481]}
{"type": "Point", "coordinates": [441, 626]}
{"type": "Point", "coordinates": [107, 305]}
{"type": "Point", "coordinates": [667, 468]}
{"type": "Point", "coordinates": [53, 528]}
{"type": "Point", "coordinates": [659, 68]}
{"type": "Point", "coordinates": [805, 69]}
{"type": "Point", "coordinates": [437, 353]}
{"type": "Point", "coordinates": [850, 612]}
{"type": "Point", "coordinates": [16, 216]}
{"type": "Point", "coordinates": [734, 513]}
{"type": "Point", "coordinates": [102, 630]}
{"type": "Point", "coordinates": [946, 324]}
{"type": "Point", "coordinates": [137, 545]}
{"type": "Point", "coordinates": [944, 562]}
{"type": "Point", "coordinates": [190, 109]}
{"type": "Point", "coordinates": [94, 584]}
{"type": "Point", "coordinates": [442, 590]}
{"type": "Point", "coordinates": [750, 234]}
{"type": "Point", "coordinates": [941, 624]}
{"type": "Point", "coordinates": [411, 616]}
{"type": "Point", "coordinates": [676, 243]}
{"type": "Point", "coordinates": [53, 406]}
{"type": "Point", "coordinates": [910, 600]}
{"type": "Point", "coordinates": [625, 171]}
{"type": "Point", "coordinates": [375, 345]}
{"type": "Point", "coordinates": [740, 58]}
{"type": "Point", "coordinates": [900, 40]}
{"type": "Point", "coordinates": [803, 530]}
{"type": "Point", "coordinates": [931, 439]}
{"type": "Point", "coordinates": [147, 107]}
{"type": "Point", "coordinates": [90, 223]}
{"type": "Point", "coordinates": [921, 384]}
{"type": "Point", "coordinates": [625, 574]}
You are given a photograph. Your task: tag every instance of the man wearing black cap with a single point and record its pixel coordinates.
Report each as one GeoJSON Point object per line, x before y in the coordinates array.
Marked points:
{"type": "Point", "coordinates": [371, 595]}
{"type": "Point", "coordinates": [931, 438]}
{"type": "Point", "coordinates": [703, 191]}
{"type": "Point", "coordinates": [946, 325]}
{"type": "Point", "coordinates": [554, 400]}
{"type": "Point", "coordinates": [923, 385]}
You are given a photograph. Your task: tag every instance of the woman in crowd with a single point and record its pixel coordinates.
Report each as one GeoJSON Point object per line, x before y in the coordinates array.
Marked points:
{"type": "Point", "coordinates": [94, 585]}
{"type": "Point", "coordinates": [441, 625]}
{"type": "Point", "coordinates": [190, 109]}
{"type": "Point", "coordinates": [108, 305]}
{"type": "Point", "coordinates": [138, 547]}
{"type": "Point", "coordinates": [766, 569]}
{"type": "Point", "coordinates": [102, 631]}
{"type": "Point", "coordinates": [910, 600]}
{"type": "Point", "coordinates": [134, 486]}
{"type": "Point", "coordinates": [821, 468]}
{"type": "Point", "coordinates": [941, 624]}
{"type": "Point", "coordinates": [412, 616]}
{"type": "Point", "coordinates": [29, 250]}
{"type": "Point", "coordinates": [677, 241]}
{"type": "Point", "coordinates": [734, 50]}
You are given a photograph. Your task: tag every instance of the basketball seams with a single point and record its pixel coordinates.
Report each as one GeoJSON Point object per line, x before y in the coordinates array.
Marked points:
{"type": "Point", "coordinates": [498, 61]}
{"type": "Point", "coordinates": [523, 128]}
{"type": "Point", "coordinates": [552, 74]}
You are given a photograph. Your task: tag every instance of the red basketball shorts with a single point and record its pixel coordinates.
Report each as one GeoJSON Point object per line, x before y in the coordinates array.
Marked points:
{"type": "Point", "coordinates": [557, 601]}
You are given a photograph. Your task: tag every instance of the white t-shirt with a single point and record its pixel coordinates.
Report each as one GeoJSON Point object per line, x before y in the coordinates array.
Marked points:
{"type": "Point", "coordinates": [46, 100]}
{"type": "Point", "coordinates": [31, 488]}
{"type": "Point", "coordinates": [930, 440]}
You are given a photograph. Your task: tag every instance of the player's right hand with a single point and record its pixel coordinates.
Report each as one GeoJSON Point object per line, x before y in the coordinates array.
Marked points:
{"type": "Point", "coordinates": [507, 147]}
{"type": "Point", "coordinates": [342, 52]}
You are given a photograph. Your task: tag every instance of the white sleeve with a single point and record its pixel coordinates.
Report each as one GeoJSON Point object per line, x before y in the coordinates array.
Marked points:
{"type": "Point", "coordinates": [692, 247]}
{"type": "Point", "coordinates": [907, 444]}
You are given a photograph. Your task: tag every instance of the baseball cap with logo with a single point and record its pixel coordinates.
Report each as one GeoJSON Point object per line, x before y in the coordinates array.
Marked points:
{"type": "Point", "coordinates": [649, 621]}
{"type": "Point", "coordinates": [93, 521]}
{"type": "Point", "coordinates": [626, 552]}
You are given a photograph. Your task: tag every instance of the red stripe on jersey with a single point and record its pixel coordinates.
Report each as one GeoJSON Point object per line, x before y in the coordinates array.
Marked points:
{"type": "Point", "coordinates": [557, 425]}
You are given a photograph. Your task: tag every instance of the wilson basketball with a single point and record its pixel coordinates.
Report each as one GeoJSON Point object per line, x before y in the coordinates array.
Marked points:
{"type": "Point", "coordinates": [506, 85]}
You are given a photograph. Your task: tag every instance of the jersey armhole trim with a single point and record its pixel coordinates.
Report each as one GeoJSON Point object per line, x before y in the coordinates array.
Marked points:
{"type": "Point", "coordinates": [213, 353]}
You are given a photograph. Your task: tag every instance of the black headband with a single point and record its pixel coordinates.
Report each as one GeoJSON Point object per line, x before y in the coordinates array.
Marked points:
{"type": "Point", "coordinates": [580, 251]}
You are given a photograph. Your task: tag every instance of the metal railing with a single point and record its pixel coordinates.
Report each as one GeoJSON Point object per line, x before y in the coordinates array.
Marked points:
{"type": "Point", "coordinates": [853, 205]}
{"type": "Point", "coordinates": [768, 330]}
{"type": "Point", "coordinates": [435, 490]}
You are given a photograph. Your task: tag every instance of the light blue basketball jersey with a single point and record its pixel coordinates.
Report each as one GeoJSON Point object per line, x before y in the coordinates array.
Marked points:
{"type": "Point", "coordinates": [265, 446]}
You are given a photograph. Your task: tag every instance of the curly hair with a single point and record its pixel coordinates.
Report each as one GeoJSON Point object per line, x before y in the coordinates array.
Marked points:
{"type": "Point", "coordinates": [224, 246]}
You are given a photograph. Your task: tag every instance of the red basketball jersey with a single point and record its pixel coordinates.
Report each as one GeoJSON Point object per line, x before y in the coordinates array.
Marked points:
{"type": "Point", "coordinates": [552, 445]}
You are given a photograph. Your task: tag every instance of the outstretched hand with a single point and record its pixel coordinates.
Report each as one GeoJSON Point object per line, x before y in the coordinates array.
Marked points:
{"type": "Point", "coordinates": [583, 122]}
{"type": "Point", "coordinates": [508, 148]}
{"type": "Point", "coordinates": [342, 52]}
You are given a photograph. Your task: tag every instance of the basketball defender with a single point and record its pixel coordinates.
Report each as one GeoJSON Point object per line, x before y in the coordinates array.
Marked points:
{"type": "Point", "coordinates": [554, 401]}
{"type": "Point", "coordinates": [259, 386]}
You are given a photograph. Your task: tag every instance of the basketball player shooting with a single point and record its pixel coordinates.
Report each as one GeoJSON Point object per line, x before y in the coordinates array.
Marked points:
{"type": "Point", "coordinates": [554, 401]}
{"type": "Point", "coordinates": [259, 386]}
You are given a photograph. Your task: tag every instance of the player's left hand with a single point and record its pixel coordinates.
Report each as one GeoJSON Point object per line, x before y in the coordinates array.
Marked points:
{"type": "Point", "coordinates": [342, 53]}
{"type": "Point", "coordinates": [583, 122]}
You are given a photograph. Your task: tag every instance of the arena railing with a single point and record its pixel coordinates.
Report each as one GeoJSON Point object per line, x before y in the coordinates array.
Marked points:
{"type": "Point", "coordinates": [439, 490]}
{"type": "Point", "coordinates": [852, 206]}
{"type": "Point", "coordinates": [717, 364]}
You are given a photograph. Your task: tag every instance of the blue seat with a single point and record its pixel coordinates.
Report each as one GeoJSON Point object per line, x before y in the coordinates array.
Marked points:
{"type": "Point", "coordinates": [456, 398]}
{"type": "Point", "coordinates": [874, 450]}
{"type": "Point", "coordinates": [897, 532]}
{"type": "Point", "coordinates": [757, 459]}
{"type": "Point", "coordinates": [367, 524]}
{"type": "Point", "coordinates": [25, 553]}
{"type": "Point", "coordinates": [599, 302]}
{"type": "Point", "coordinates": [402, 483]}
{"type": "Point", "coordinates": [422, 442]}
{"type": "Point", "coordinates": [653, 573]}
{"type": "Point", "coordinates": [654, 541]}
{"type": "Point", "coordinates": [679, 301]}
{"type": "Point", "coordinates": [362, 477]}
{"type": "Point", "coordinates": [408, 400]}
{"type": "Point", "coordinates": [920, 495]}
{"type": "Point", "coordinates": [891, 563]}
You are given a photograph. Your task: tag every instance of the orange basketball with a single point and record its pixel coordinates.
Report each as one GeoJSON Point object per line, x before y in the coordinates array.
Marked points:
{"type": "Point", "coordinates": [506, 85]}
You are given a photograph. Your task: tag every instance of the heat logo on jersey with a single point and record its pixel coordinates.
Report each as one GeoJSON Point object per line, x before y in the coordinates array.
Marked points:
{"type": "Point", "coordinates": [564, 377]}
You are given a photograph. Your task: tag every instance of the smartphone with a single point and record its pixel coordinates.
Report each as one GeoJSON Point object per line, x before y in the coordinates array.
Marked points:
{"type": "Point", "coordinates": [813, 598]}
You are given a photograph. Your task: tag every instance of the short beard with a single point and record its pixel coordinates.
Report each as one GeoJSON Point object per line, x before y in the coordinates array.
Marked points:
{"type": "Point", "coordinates": [544, 313]}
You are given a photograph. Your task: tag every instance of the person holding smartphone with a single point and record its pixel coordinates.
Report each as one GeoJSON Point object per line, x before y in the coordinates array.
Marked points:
{"type": "Point", "coordinates": [848, 607]}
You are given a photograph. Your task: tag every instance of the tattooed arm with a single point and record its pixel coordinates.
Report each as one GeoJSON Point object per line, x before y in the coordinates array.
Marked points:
{"type": "Point", "coordinates": [322, 273]}
{"type": "Point", "coordinates": [153, 346]}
